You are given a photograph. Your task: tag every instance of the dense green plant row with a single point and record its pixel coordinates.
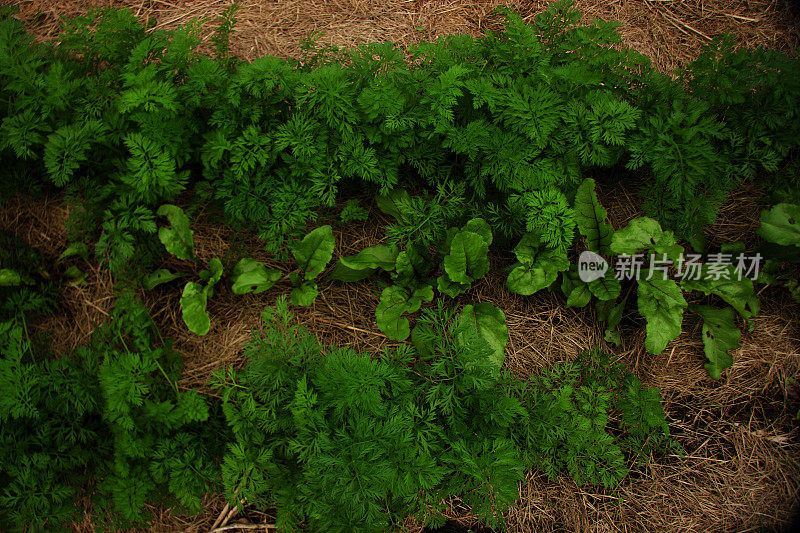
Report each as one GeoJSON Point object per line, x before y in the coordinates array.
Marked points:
{"type": "Point", "coordinates": [337, 440]}
{"type": "Point", "coordinates": [502, 127]}
{"type": "Point", "coordinates": [493, 136]}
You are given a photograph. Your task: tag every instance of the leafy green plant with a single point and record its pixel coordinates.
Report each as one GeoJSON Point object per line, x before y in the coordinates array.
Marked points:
{"type": "Point", "coordinates": [130, 117]}
{"type": "Point", "coordinates": [661, 300]}
{"type": "Point", "coordinates": [537, 266]}
{"type": "Point", "coordinates": [338, 439]}
{"type": "Point", "coordinates": [106, 423]}
{"type": "Point", "coordinates": [312, 254]}
{"type": "Point", "coordinates": [464, 260]}
{"type": "Point", "coordinates": [780, 229]}
{"type": "Point", "coordinates": [178, 239]}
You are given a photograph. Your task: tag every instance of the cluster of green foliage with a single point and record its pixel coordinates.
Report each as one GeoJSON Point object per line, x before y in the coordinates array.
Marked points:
{"type": "Point", "coordinates": [312, 254]}
{"type": "Point", "coordinates": [462, 253]}
{"type": "Point", "coordinates": [345, 441]}
{"type": "Point", "coordinates": [661, 300]}
{"type": "Point", "coordinates": [493, 135]}
{"type": "Point", "coordinates": [107, 420]}
{"type": "Point", "coordinates": [335, 439]}
{"type": "Point", "coordinates": [780, 229]}
{"type": "Point", "coordinates": [500, 127]}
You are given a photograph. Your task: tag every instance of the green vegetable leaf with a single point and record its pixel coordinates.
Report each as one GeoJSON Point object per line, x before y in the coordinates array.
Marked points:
{"type": "Point", "coordinates": [380, 256]}
{"type": "Point", "coordinates": [610, 312]}
{"type": "Point", "coordinates": [411, 263]}
{"type": "Point", "coordinates": [451, 288]}
{"type": "Point", "coordinates": [251, 276]}
{"type": "Point", "coordinates": [591, 218]}
{"type": "Point", "coordinates": [661, 302]}
{"type": "Point", "coordinates": [305, 294]}
{"type": "Point", "coordinates": [481, 227]}
{"type": "Point", "coordinates": [490, 324]}
{"type": "Point", "coordinates": [576, 291]}
{"type": "Point", "coordinates": [396, 301]}
{"type": "Point", "coordinates": [193, 308]}
{"type": "Point", "coordinates": [642, 234]}
{"type": "Point", "coordinates": [314, 251]}
{"type": "Point", "coordinates": [720, 335]}
{"type": "Point", "coordinates": [213, 274]}
{"type": "Point", "coordinates": [162, 275]}
{"type": "Point", "coordinates": [527, 248]}
{"type": "Point", "coordinates": [538, 266]}
{"type": "Point", "coordinates": [468, 258]}
{"type": "Point", "coordinates": [737, 293]}
{"type": "Point", "coordinates": [781, 225]}
{"type": "Point", "coordinates": [579, 296]}
{"type": "Point", "coordinates": [343, 273]}
{"type": "Point", "coordinates": [178, 239]}
{"type": "Point", "coordinates": [76, 275]}
{"type": "Point", "coordinates": [390, 203]}
{"type": "Point", "coordinates": [606, 288]}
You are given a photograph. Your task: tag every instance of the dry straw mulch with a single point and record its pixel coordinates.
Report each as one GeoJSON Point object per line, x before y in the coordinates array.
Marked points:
{"type": "Point", "coordinates": [670, 32]}
{"type": "Point", "coordinates": [740, 472]}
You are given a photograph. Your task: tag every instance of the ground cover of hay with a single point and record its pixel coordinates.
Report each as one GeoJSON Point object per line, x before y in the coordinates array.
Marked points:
{"type": "Point", "coordinates": [741, 470]}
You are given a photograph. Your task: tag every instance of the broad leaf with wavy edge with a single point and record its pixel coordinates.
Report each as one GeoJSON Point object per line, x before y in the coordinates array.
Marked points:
{"type": "Point", "coordinates": [314, 251]}
{"type": "Point", "coordinates": [591, 218]}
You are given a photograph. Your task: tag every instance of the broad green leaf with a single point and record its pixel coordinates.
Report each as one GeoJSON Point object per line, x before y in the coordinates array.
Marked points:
{"type": "Point", "coordinates": [396, 301]}
{"type": "Point", "coordinates": [413, 262]}
{"type": "Point", "coordinates": [576, 291]}
{"type": "Point", "coordinates": [444, 247]}
{"type": "Point", "coordinates": [388, 314]}
{"type": "Point", "coordinates": [739, 294]}
{"type": "Point", "coordinates": [193, 308]}
{"type": "Point", "coordinates": [381, 256]}
{"type": "Point", "coordinates": [538, 266]}
{"type": "Point", "coordinates": [390, 203]}
{"type": "Point", "coordinates": [661, 303]}
{"type": "Point", "coordinates": [490, 324]}
{"type": "Point", "coordinates": [79, 249]}
{"type": "Point", "coordinates": [343, 273]}
{"type": "Point", "coordinates": [606, 288]}
{"type": "Point", "coordinates": [781, 225]}
{"type": "Point", "coordinates": [212, 275]}
{"type": "Point", "coordinates": [419, 295]}
{"type": "Point", "coordinates": [9, 278]}
{"type": "Point", "coordinates": [468, 258]}
{"type": "Point", "coordinates": [314, 251]}
{"type": "Point", "coordinates": [579, 296]}
{"type": "Point", "coordinates": [591, 218]}
{"type": "Point", "coordinates": [612, 336]}
{"type": "Point", "coordinates": [162, 275]}
{"type": "Point", "coordinates": [527, 248]}
{"type": "Point", "coordinates": [251, 276]}
{"type": "Point", "coordinates": [179, 238]}
{"type": "Point", "coordinates": [645, 234]}
{"type": "Point", "coordinates": [610, 312]}
{"type": "Point", "coordinates": [305, 294]}
{"type": "Point", "coordinates": [481, 227]}
{"type": "Point", "coordinates": [451, 288]}
{"type": "Point", "coordinates": [720, 335]}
